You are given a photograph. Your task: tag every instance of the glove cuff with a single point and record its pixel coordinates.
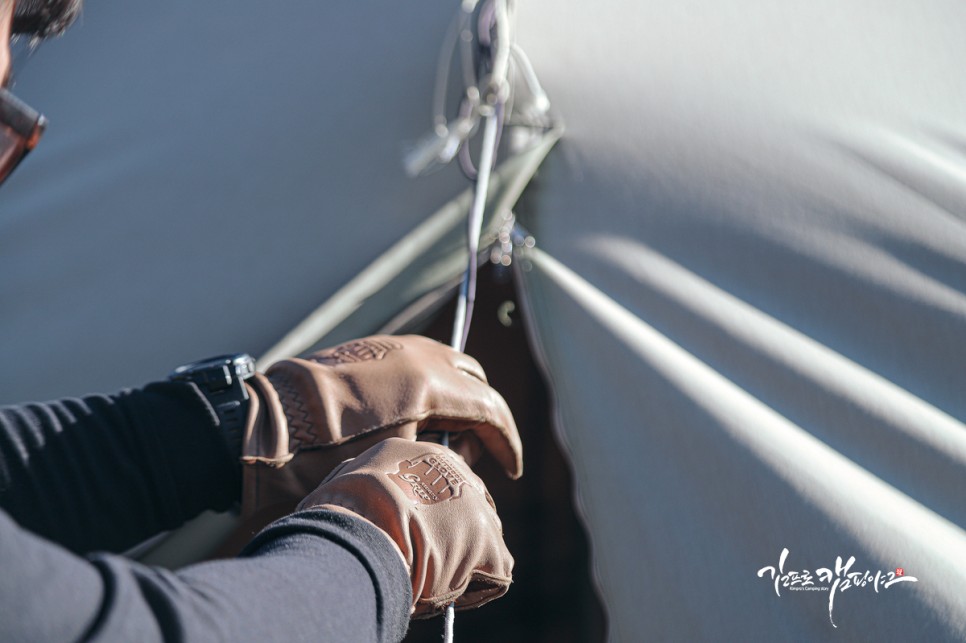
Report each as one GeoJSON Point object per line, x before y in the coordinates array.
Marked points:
{"type": "Point", "coordinates": [266, 437]}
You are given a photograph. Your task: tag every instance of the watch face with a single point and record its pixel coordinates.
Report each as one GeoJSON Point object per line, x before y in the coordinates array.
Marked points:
{"type": "Point", "coordinates": [244, 366]}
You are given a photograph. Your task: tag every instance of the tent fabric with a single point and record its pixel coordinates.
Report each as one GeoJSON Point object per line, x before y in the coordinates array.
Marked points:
{"type": "Point", "coordinates": [748, 291]}
{"type": "Point", "coordinates": [748, 295]}
{"type": "Point", "coordinates": [211, 174]}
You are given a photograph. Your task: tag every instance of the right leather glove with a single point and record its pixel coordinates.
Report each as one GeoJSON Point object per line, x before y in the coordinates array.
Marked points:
{"type": "Point", "coordinates": [308, 415]}
{"type": "Point", "coordinates": [437, 512]}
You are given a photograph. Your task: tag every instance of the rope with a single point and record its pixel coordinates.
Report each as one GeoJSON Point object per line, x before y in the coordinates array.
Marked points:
{"type": "Point", "coordinates": [448, 630]}
{"type": "Point", "coordinates": [467, 295]}
{"type": "Point", "coordinates": [487, 102]}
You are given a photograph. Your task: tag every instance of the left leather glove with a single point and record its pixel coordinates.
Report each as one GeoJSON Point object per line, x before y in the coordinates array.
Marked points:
{"type": "Point", "coordinates": [308, 415]}
{"type": "Point", "coordinates": [438, 514]}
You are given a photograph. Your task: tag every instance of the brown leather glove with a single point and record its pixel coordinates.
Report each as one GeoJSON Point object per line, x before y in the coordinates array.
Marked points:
{"type": "Point", "coordinates": [437, 512]}
{"type": "Point", "coordinates": [308, 415]}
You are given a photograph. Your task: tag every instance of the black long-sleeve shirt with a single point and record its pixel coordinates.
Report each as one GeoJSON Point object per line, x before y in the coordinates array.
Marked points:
{"type": "Point", "coordinates": [105, 472]}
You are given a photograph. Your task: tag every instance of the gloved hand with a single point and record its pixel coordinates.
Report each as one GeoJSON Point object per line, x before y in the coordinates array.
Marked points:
{"type": "Point", "coordinates": [436, 511]}
{"type": "Point", "coordinates": [308, 415]}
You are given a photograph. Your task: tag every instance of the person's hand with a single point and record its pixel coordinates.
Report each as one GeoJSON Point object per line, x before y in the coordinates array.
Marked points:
{"type": "Point", "coordinates": [308, 415]}
{"type": "Point", "coordinates": [436, 511]}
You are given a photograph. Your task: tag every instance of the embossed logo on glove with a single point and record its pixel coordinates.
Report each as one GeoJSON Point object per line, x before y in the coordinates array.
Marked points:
{"type": "Point", "coordinates": [429, 479]}
{"type": "Point", "coordinates": [436, 511]}
{"type": "Point", "coordinates": [360, 350]}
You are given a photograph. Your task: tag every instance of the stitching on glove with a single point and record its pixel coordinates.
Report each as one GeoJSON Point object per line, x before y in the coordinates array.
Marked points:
{"type": "Point", "coordinates": [300, 426]}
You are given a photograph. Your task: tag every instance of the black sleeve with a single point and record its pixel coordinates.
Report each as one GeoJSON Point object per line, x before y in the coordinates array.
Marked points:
{"type": "Point", "coordinates": [106, 472]}
{"type": "Point", "coordinates": [312, 576]}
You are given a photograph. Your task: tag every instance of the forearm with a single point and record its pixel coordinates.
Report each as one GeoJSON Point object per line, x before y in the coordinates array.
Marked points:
{"type": "Point", "coordinates": [105, 472]}
{"type": "Point", "coordinates": [313, 576]}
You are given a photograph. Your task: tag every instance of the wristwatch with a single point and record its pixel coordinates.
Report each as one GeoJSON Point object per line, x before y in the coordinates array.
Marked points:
{"type": "Point", "coordinates": [222, 381]}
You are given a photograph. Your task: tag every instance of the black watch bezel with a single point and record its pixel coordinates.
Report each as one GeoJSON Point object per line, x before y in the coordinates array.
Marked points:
{"type": "Point", "coordinates": [221, 380]}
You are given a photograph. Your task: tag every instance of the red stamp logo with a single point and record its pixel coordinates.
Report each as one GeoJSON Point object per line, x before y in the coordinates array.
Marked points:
{"type": "Point", "coordinates": [900, 571]}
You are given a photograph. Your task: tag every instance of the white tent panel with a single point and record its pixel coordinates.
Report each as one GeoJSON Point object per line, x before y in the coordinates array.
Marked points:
{"type": "Point", "coordinates": [750, 299]}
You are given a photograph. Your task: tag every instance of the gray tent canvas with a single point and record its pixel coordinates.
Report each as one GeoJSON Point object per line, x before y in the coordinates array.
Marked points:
{"type": "Point", "coordinates": [746, 294]}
